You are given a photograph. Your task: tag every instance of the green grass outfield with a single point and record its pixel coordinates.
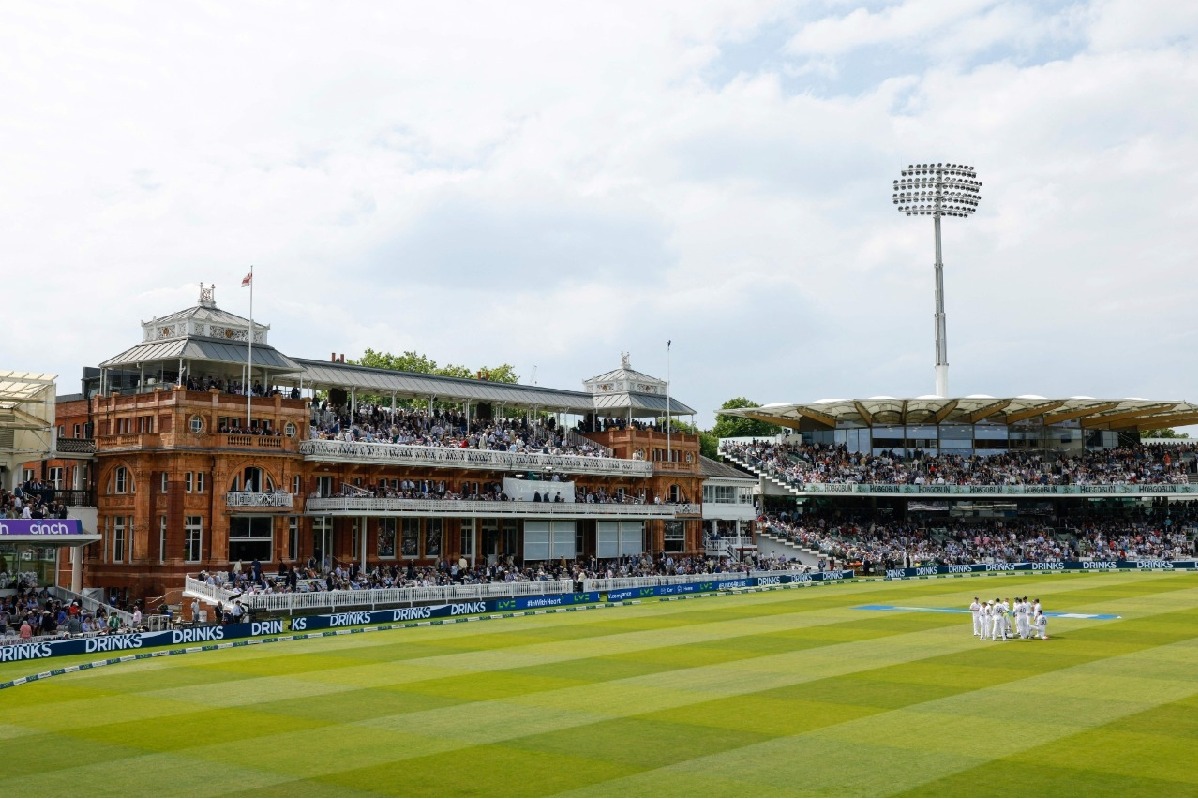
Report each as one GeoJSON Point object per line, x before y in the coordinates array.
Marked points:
{"type": "Point", "coordinates": [787, 692]}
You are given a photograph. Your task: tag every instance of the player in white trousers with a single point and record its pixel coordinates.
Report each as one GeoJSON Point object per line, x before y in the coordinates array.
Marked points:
{"type": "Point", "coordinates": [1021, 617]}
{"type": "Point", "coordinates": [975, 610]}
{"type": "Point", "coordinates": [1039, 626]}
{"type": "Point", "coordinates": [998, 632]}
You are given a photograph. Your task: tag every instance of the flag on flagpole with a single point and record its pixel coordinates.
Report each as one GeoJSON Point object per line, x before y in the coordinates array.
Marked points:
{"type": "Point", "coordinates": [247, 280]}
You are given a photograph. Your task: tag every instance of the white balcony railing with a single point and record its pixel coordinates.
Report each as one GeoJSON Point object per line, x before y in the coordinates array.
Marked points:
{"type": "Point", "coordinates": [466, 458]}
{"type": "Point", "coordinates": [271, 500]}
{"type": "Point", "coordinates": [356, 506]}
{"type": "Point", "coordinates": [378, 597]}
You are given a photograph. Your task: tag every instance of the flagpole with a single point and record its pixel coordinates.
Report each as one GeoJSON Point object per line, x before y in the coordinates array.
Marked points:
{"type": "Point", "coordinates": [669, 453]}
{"type": "Point", "coordinates": [249, 359]}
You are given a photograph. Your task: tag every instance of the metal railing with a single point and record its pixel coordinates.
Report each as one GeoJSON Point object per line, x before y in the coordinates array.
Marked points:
{"type": "Point", "coordinates": [467, 458]}
{"type": "Point", "coordinates": [88, 604]}
{"type": "Point", "coordinates": [462, 508]}
{"type": "Point", "coordinates": [378, 597]}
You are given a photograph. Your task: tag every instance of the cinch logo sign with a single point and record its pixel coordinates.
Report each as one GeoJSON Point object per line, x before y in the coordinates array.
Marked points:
{"type": "Point", "coordinates": [38, 527]}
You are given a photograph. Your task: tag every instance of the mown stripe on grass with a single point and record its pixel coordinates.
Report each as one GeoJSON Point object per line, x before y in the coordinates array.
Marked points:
{"type": "Point", "coordinates": [911, 747]}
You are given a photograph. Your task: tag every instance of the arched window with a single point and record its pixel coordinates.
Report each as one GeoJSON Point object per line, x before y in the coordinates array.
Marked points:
{"type": "Point", "coordinates": [253, 479]}
{"type": "Point", "coordinates": [122, 481]}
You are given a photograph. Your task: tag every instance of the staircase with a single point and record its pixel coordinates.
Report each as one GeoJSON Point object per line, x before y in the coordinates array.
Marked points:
{"type": "Point", "coordinates": [788, 487]}
{"type": "Point", "coordinates": [771, 543]}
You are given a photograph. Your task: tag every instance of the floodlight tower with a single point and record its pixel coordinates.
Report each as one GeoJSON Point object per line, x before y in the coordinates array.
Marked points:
{"type": "Point", "coordinates": [938, 190]}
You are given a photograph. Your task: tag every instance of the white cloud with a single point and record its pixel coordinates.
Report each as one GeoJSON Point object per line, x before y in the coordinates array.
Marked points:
{"type": "Point", "coordinates": [546, 185]}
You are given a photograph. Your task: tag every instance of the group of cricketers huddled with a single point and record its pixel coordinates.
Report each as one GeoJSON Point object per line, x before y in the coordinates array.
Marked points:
{"type": "Point", "coordinates": [992, 621]}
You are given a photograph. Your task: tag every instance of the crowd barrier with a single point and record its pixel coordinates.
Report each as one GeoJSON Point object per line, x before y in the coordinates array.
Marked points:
{"type": "Point", "coordinates": [1048, 566]}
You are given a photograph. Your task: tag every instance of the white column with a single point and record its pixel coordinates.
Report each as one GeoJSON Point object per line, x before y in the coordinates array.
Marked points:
{"type": "Point", "coordinates": [362, 542]}
{"type": "Point", "coordinates": [77, 570]}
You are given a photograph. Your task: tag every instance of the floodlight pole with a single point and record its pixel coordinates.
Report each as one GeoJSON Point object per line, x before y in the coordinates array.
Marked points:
{"type": "Point", "coordinates": [938, 190]}
{"type": "Point", "coordinates": [941, 323]}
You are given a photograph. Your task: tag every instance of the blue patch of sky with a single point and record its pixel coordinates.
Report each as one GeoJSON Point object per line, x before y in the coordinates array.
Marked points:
{"type": "Point", "coordinates": [861, 70]}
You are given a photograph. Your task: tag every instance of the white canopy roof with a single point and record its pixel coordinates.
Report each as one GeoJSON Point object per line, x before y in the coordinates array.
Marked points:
{"type": "Point", "coordinates": [1093, 414]}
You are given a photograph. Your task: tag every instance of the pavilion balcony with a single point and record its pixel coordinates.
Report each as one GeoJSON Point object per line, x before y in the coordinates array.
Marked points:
{"type": "Point", "coordinates": [465, 458]}
{"type": "Point", "coordinates": [259, 500]}
{"type": "Point", "coordinates": [449, 508]}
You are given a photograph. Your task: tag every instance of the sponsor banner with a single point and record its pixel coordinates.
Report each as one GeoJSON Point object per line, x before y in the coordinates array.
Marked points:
{"type": "Point", "coordinates": [1058, 565]}
{"type": "Point", "coordinates": [555, 600]}
{"type": "Point", "coordinates": [723, 584]}
{"type": "Point", "coordinates": [43, 527]}
{"type": "Point", "coordinates": [362, 618]}
{"type": "Point", "coordinates": [102, 644]}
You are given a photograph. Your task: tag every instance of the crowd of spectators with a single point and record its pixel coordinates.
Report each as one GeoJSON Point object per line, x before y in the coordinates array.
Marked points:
{"type": "Point", "coordinates": [30, 613]}
{"type": "Point", "coordinates": [802, 464]}
{"type": "Point", "coordinates": [445, 428]}
{"type": "Point", "coordinates": [232, 386]}
{"type": "Point", "coordinates": [474, 491]}
{"type": "Point", "coordinates": [891, 544]}
{"type": "Point", "coordinates": [253, 579]}
{"type": "Point", "coordinates": [32, 499]}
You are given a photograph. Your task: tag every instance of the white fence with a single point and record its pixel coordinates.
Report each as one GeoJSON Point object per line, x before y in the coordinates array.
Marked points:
{"type": "Point", "coordinates": [379, 597]}
{"type": "Point", "coordinates": [467, 458]}
{"type": "Point", "coordinates": [462, 508]}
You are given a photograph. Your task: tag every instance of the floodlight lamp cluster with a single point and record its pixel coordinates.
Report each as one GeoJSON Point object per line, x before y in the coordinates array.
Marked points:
{"type": "Point", "coordinates": [937, 190]}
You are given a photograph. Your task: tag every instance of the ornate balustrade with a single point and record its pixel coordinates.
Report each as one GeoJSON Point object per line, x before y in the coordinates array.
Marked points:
{"type": "Point", "coordinates": [263, 500]}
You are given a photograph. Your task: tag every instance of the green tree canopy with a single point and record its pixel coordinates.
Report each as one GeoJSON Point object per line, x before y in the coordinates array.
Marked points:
{"type": "Point", "coordinates": [733, 426]}
{"type": "Point", "coordinates": [708, 444]}
{"type": "Point", "coordinates": [409, 361]}
{"type": "Point", "coordinates": [1163, 432]}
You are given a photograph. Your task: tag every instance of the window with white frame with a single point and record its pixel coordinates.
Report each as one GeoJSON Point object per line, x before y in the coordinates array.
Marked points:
{"type": "Point", "coordinates": [199, 482]}
{"type": "Point", "coordinates": [119, 541]}
{"type": "Point", "coordinates": [54, 475]}
{"type": "Point", "coordinates": [188, 482]}
{"type": "Point", "coordinates": [121, 483]}
{"type": "Point", "coordinates": [675, 536]}
{"type": "Point", "coordinates": [297, 485]}
{"type": "Point", "coordinates": [386, 538]}
{"type": "Point", "coordinates": [466, 538]}
{"type": "Point", "coordinates": [162, 482]}
{"type": "Point", "coordinates": [193, 538]}
{"type": "Point", "coordinates": [292, 537]}
{"type": "Point", "coordinates": [162, 539]}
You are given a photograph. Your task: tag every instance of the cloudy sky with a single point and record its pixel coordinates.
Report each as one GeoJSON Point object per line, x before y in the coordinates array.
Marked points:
{"type": "Point", "coordinates": [549, 184]}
